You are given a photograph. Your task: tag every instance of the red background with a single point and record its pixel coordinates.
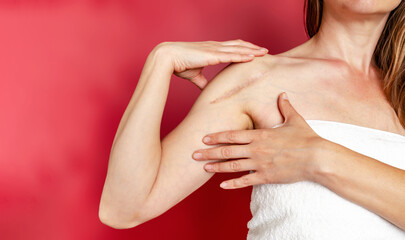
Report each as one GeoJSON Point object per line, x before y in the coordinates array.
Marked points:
{"type": "Point", "coordinates": [68, 70]}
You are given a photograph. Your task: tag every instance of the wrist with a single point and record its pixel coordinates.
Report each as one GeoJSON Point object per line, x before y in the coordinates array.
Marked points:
{"type": "Point", "coordinates": [160, 58]}
{"type": "Point", "coordinates": [326, 152]}
{"type": "Point", "coordinates": [156, 71]}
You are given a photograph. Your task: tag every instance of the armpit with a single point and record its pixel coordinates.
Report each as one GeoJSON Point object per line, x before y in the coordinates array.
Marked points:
{"type": "Point", "coordinates": [249, 82]}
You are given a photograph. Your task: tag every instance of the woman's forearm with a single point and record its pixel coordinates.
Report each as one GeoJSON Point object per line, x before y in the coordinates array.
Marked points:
{"type": "Point", "coordinates": [365, 181]}
{"type": "Point", "coordinates": [136, 151]}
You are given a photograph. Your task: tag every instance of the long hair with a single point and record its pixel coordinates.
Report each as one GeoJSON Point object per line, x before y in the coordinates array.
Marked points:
{"type": "Point", "coordinates": [389, 54]}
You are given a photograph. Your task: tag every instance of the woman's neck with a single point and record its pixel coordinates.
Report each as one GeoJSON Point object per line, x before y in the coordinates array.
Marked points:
{"type": "Point", "coordinates": [348, 38]}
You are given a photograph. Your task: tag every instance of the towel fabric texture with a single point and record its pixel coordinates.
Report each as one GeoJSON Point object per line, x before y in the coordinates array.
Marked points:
{"type": "Point", "coordinates": [309, 211]}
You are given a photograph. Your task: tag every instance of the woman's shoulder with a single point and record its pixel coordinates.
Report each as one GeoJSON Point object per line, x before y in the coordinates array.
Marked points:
{"type": "Point", "coordinates": [233, 78]}
{"type": "Point", "coordinates": [252, 87]}
{"type": "Point", "coordinates": [263, 79]}
{"type": "Point", "coordinates": [240, 77]}
{"type": "Point", "coordinates": [241, 72]}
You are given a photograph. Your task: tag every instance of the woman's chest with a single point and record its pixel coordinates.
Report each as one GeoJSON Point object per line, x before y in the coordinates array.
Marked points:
{"type": "Point", "coordinates": [364, 106]}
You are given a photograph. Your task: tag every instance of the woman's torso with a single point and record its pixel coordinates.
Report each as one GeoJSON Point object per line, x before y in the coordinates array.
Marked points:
{"type": "Point", "coordinates": [310, 211]}
{"type": "Point", "coordinates": [321, 90]}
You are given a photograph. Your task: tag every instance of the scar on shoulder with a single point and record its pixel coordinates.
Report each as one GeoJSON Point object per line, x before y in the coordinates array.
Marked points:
{"type": "Point", "coordinates": [250, 81]}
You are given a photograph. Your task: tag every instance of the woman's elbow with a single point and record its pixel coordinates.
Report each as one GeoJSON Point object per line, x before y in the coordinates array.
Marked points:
{"type": "Point", "coordinates": [116, 220]}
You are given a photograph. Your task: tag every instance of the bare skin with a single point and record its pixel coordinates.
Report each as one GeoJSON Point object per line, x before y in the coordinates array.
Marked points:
{"type": "Point", "coordinates": [332, 93]}
{"type": "Point", "coordinates": [332, 76]}
{"type": "Point", "coordinates": [281, 155]}
{"type": "Point", "coordinates": [247, 83]}
{"type": "Point", "coordinates": [146, 176]}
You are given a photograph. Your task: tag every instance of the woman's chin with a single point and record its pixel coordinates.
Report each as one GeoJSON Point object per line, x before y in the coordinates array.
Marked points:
{"type": "Point", "coordinates": [364, 6]}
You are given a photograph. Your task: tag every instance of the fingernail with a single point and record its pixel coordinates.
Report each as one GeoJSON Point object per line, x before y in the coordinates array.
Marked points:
{"type": "Point", "coordinates": [197, 155]}
{"type": "Point", "coordinates": [264, 49]}
{"type": "Point", "coordinates": [223, 184]}
{"type": "Point", "coordinates": [251, 55]}
{"type": "Point", "coordinates": [208, 167]}
{"type": "Point", "coordinates": [284, 96]}
{"type": "Point", "coordinates": [206, 139]}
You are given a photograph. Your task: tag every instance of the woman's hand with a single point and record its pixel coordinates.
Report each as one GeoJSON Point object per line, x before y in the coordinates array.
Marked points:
{"type": "Point", "coordinates": [189, 58]}
{"type": "Point", "coordinates": [284, 154]}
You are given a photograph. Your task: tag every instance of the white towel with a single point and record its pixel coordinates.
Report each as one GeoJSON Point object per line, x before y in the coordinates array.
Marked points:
{"type": "Point", "coordinates": [310, 211]}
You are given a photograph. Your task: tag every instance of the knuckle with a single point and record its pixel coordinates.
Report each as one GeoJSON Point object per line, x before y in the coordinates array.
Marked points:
{"type": "Point", "coordinates": [261, 150]}
{"type": "Point", "coordinates": [235, 165]}
{"type": "Point", "coordinates": [231, 137]}
{"type": "Point", "coordinates": [236, 182]}
{"type": "Point", "coordinates": [213, 60]}
{"type": "Point", "coordinates": [266, 165]}
{"type": "Point", "coordinates": [254, 150]}
{"type": "Point", "coordinates": [264, 134]}
{"type": "Point", "coordinates": [244, 181]}
{"type": "Point", "coordinates": [226, 152]}
{"type": "Point", "coordinates": [285, 153]}
{"type": "Point", "coordinates": [234, 57]}
{"type": "Point", "coordinates": [267, 178]}
{"type": "Point", "coordinates": [240, 58]}
{"type": "Point", "coordinates": [269, 164]}
{"type": "Point", "coordinates": [223, 58]}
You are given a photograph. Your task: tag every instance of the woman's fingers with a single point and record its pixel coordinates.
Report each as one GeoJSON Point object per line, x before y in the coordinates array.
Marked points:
{"type": "Point", "coordinates": [186, 57]}
{"type": "Point", "coordinates": [238, 51]}
{"type": "Point", "coordinates": [223, 152]}
{"type": "Point", "coordinates": [244, 181]}
{"type": "Point", "coordinates": [240, 42]}
{"type": "Point", "coordinates": [232, 136]}
{"type": "Point", "coordinates": [243, 50]}
{"type": "Point", "coordinates": [231, 166]}
{"type": "Point", "coordinates": [232, 57]}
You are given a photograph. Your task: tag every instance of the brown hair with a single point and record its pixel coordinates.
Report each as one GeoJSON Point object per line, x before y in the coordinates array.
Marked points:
{"type": "Point", "coordinates": [389, 54]}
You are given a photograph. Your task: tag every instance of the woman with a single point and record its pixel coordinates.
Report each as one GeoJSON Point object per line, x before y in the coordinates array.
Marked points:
{"type": "Point", "coordinates": [335, 80]}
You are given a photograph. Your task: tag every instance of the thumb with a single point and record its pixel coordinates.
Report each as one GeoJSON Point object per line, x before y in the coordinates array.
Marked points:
{"type": "Point", "coordinates": [286, 108]}
{"type": "Point", "coordinates": [200, 81]}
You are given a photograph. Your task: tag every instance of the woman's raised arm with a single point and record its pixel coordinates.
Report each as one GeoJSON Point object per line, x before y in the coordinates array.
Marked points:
{"type": "Point", "coordinates": [147, 176]}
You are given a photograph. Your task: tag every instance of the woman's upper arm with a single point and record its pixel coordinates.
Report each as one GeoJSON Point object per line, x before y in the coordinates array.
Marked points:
{"type": "Point", "coordinates": [179, 174]}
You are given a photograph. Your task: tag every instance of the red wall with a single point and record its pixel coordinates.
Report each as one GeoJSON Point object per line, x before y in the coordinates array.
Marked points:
{"type": "Point", "coordinates": [67, 72]}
